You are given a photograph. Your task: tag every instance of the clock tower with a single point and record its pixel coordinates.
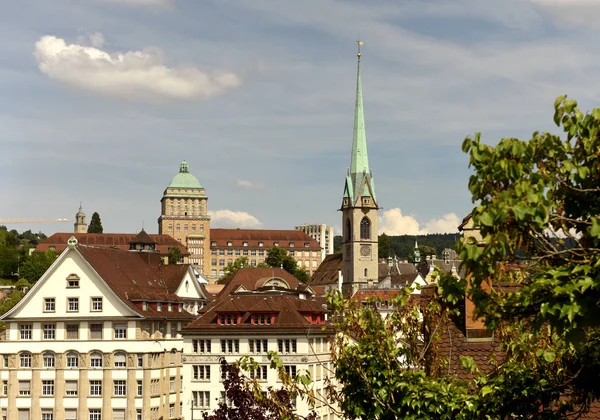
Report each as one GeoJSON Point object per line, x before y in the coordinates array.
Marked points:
{"type": "Point", "coordinates": [359, 208]}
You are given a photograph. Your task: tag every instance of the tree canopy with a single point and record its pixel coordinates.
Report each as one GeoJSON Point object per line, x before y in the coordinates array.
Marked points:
{"type": "Point", "coordinates": [279, 257]}
{"type": "Point", "coordinates": [174, 255]}
{"type": "Point", "coordinates": [95, 225]}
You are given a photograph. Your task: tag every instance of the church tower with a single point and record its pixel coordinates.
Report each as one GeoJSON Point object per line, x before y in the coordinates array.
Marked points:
{"type": "Point", "coordinates": [359, 208]}
{"type": "Point", "coordinates": [80, 225]}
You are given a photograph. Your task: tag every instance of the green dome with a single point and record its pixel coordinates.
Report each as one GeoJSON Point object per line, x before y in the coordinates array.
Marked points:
{"type": "Point", "coordinates": [184, 179]}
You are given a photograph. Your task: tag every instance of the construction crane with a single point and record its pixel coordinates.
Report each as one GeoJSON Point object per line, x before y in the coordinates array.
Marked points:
{"type": "Point", "coordinates": [31, 220]}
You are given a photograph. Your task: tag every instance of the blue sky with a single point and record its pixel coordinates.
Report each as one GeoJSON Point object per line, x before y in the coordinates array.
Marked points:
{"type": "Point", "coordinates": [102, 99]}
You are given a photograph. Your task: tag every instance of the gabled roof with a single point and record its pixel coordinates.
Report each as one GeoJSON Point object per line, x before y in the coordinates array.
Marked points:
{"type": "Point", "coordinates": [251, 279]}
{"type": "Point", "coordinates": [290, 313]}
{"type": "Point", "coordinates": [143, 238]}
{"type": "Point", "coordinates": [108, 240]}
{"type": "Point", "coordinates": [327, 272]}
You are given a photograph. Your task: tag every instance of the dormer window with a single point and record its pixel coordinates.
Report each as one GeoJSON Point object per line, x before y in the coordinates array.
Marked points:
{"type": "Point", "coordinates": [229, 319]}
{"type": "Point", "coordinates": [180, 307]}
{"type": "Point", "coordinates": [245, 244]}
{"type": "Point", "coordinates": [159, 306]}
{"type": "Point", "coordinates": [145, 305]}
{"type": "Point", "coordinates": [261, 244]}
{"type": "Point", "coordinates": [262, 319]}
{"type": "Point", "coordinates": [291, 244]}
{"type": "Point", "coordinates": [275, 243]}
{"type": "Point", "coordinates": [73, 281]}
{"type": "Point", "coordinates": [170, 307]}
{"type": "Point", "coordinates": [213, 243]}
{"type": "Point", "coordinates": [229, 243]}
{"type": "Point", "coordinates": [306, 244]}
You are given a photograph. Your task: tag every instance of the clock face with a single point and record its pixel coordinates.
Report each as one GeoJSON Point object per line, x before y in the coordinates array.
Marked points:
{"type": "Point", "coordinates": [365, 250]}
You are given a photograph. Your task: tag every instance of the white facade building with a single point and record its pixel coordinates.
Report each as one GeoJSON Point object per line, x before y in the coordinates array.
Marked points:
{"type": "Point", "coordinates": [97, 338]}
{"type": "Point", "coordinates": [323, 234]}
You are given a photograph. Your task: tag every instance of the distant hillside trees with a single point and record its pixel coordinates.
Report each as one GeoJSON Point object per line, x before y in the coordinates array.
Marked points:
{"type": "Point", "coordinates": [402, 246]}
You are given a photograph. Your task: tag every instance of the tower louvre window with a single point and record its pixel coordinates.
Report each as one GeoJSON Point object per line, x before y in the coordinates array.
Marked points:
{"type": "Point", "coordinates": [348, 233]}
{"type": "Point", "coordinates": [365, 228]}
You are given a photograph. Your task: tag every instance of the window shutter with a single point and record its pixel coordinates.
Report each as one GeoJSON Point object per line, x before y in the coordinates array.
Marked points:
{"type": "Point", "coordinates": [24, 386]}
{"type": "Point", "coordinates": [70, 414]}
{"type": "Point", "coordinates": [120, 359]}
{"type": "Point", "coordinates": [71, 386]}
{"type": "Point", "coordinates": [118, 414]}
{"type": "Point", "coordinates": [24, 413]}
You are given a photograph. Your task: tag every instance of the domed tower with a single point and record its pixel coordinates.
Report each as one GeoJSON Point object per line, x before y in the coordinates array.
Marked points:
{"type": "Point", "coordinates": [80, 224]}
{"type": "Point", "coordinates": [184, 215]}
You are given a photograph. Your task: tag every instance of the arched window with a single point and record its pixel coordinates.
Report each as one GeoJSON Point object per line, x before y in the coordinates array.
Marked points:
{"type": "Point", "coordinates": [25, 359]}
{"type": "Point", "coordinates": [365, 228]}
{"type": "Point", "coordinates": [49, 360]}
{"type": "Point", "coordinates": [120, 359]}
{"type": "Point", "coordinates": [366, 272]}
{"type": "Point", "coordinates": [348, 233]}
{"type": "Point", "coordinates": [72, 360]}
{"type": "Point", "coordinates": [96, 360]}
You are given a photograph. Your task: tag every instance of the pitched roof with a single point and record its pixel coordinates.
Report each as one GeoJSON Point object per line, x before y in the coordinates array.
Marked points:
{"type": "Point", "coordinates": [251, 278]}
{"type": "Point", "coordinates": [327, 272]}
{"type": "Point", "coordinates": [132, 278]}
{"type": "Point", "coordinates": [173, 274]}
{"type": "Point", "coordinates": [268, 238]}
{"type": "Point", "coordinates": [142, 238]}
{"type": "Point", "coordinates": [290, 313]}
{"type": "Point", "coordinates": [108, 240]}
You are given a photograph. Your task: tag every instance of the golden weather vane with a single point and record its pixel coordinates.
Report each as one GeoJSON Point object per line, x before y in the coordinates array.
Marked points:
{"type": "Point", "coordinates": [359, 42]}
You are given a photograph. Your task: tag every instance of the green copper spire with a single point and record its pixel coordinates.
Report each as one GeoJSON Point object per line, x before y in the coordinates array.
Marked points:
{"type": "Point", "coordinates": [360, 156]}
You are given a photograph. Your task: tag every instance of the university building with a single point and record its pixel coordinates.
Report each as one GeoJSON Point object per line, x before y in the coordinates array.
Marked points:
{"type": "Point", "coordinates": [323, 234]}
{"type": "Point", "coordinates": [97, 338]}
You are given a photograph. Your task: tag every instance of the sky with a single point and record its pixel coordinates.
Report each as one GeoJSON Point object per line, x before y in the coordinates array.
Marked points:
{"type": "Point", "coordinates": [100, 101]}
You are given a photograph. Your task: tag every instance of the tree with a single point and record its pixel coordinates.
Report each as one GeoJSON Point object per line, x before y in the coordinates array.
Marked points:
{"type": "Point", "coordinates": [384, 246]}
{"type": "Point", "coordinates": [9, 261]}
{"type": "Point", "coordinates": [538, 207]}
{"type": "Point", "coordinates": [35, 265]}
{"type": "Point", "coordinates": [95, 225]}
{"type": "Point", "coordinates": [279, 257]}
{"type": "Point", "coordinates": [301, 275]}
{"type": "Point", "coordinates": [174, 255]}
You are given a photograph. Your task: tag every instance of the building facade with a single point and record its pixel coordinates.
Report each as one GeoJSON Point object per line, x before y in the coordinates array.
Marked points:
{"type": "Point", "coordinates": [260, 310]}
{"type": "Point", "coordinates": [359, 209]}
{"type": "Point", "coordinates": [323, 234]}
{"type": "Point", "coordinates": [184, 215]}
{"type": "Point", "coordinates": [97, 338]}
{"type": "Point", "coordinates": [226, 245]}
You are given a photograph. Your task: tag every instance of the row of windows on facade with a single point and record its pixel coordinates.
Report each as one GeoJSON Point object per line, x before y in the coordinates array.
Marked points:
{"type": "Point", "coordinates": [365, 229]}
{"type": "Point", "coordinates": [262, 244]}
{"type": "Point", "coordinates": [259, 252]}
{"type": "Point", "coordinates": [188, 209]}
{"type": "Point", "coordinates": [71, 414]}
{"type": "Point", "coordinates": [96, 330]}
{"type": "Point", "coordinates": [202, 372]}
{"type": "Point", "coordinates": [285, 345]}
{"type": "Point", "coordinates": [201, 399]}
{"type": "Point", "coordinates": [235, 318]}
{"type": "Point", "coordinates": [254, 263]}
{"type": "Point", "coordinates": [185, 227]}
{"type": "Point", "coordinates": [96, 360]}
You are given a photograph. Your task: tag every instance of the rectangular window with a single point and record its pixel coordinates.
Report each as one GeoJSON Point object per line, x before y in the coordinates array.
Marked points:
{"type": "Point", "coordinates": [48, 360]}
{"type": "Point", "coordinates": [49, 304]}
{"type": "Point", "coordinates": [95, 414]}
{"type": "Point", "coordinates": [140, 388]}
{"type": "Point", "coordinates": [238, 252]}
{"type": "Point", "coordinates": [96, 304]}
{"type": "Point", "coordinates": [47, 415]}
{"type": "Point", "coordinates": [193, 228]}
{"type": "Point", "coordinates": [222, 263]}
{"type": "Point", "coordinates": [201, 399]}
{"type": "Point", "coordinates": [25, 330]}
{"type": "Point", "coordinates": [290, 370]}
{"type": "Point", "coordinates": [120, 360]}
{"type": "Point", "coordinates": [49, 331]}
{"type": "Point", "coordinates": [258, 346]}
{"type": "Point", "coordinates": [96, 388]}
{"type": "Point", "coordinates": [172, 411]}
{"type": "Point", "coordinates": [201, 372]}
{"type": "Point", "coordinates": [24, 388]}
{"type": "Point", "coordinates": [185, 227]}
{"type": "Point", "coordinates": [70, 414]}
{"type": "Point", "coordinates": [201, 346]}
{"type": "Point", "coordinates": [230, 346]}
{"type": "Point", "coordinates": [47, 387]}
{"type": "Point", "coordinates": [230, 252]}
{"type": "Point", "coordinates": [72, 282]}
{"type": "Point", "coordinates": [72, 360]}
{"type": "Point", "coordinates": [172, 384]}
{"type": "Point", "coordinates": [178, 227]}
{"type": "Point", "coordinates": [259, 373]}
{"type": "Point", "coordinates": [120, 330]}
{"type": "Point", "coordinates": [24, 414]}
{"type": "Point", "coordinates": [253, 252]}
{"type": "Point", "coordinates": [119, 388]}
{"type": "Point", "coordinates": [4, 387]}
{"type": "Point", "coordinates": [73, 304]}
{"type": "Point", "coordinates": [287, 346]}
{"type": "Point", "coordinates": [71, 388]}
{"type": "Point", "coordinates": [118, 414]}
{"type": "Point", "coordinates": [96, 331]}
{"type": "Point", "coordinates": [72, 331]}
{"type": "Point", "coordinates": [138, 414]}
{"type": "Point", "coordinates": [140, 360]}
{"type": "Point", "coordinates": [245, 252]}
{"type": "Point", "coordinates": [5, 358]}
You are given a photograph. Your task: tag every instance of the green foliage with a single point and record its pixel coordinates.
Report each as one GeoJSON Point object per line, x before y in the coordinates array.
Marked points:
{"type": "Point", "coordinates": [11, 300]}
{"type": "Point", "coordinates": [9, 261]}
{"type": "Point", "coordinates": [402, 246]}
{"type": "Point", "coordinates": [233, 267]}
{"type": "Point", "coordinates": [174, 255]}
{"type": "Point", "coordinates": [279, 257]}
{"type": "Point", "coordinates": [35, 265]}
{"type": "Point", "coordinates": [95, 225]}
{"type": "Point", "coordinates": [301, 275]}
{"type": "Point", "coordinates": [384, 246]}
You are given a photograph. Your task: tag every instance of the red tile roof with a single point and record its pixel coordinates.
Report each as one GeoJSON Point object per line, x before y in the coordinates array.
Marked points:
{"type": "Point", "coordinates": [290, 316]}
{"type": "Point", "coordinates": [327, 272]}
{"type": "Point", "coordinates": [108, 240]}
{"type": "Point", "coordinates": [253, 278]}
{"type": "Point", "coordinates": [130, 276]}
{"type": "Point", "coordinates": [268, 237]}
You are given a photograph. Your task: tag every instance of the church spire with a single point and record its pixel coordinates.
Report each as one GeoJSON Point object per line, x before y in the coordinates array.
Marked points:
{"type": "Point", "coordinates": [360, 157]}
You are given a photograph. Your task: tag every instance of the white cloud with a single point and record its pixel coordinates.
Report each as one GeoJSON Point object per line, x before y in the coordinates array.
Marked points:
{"type": "Point", "coordinates": [133, 75]}
{"type": "Point", "coordinates": [393, 222]}
{"type": "Point", "coordinates": [244, 183]}
{"type": "Point", "coordinates": [572, 13]}
{"type": "Point", "coordinates": [234, 219]}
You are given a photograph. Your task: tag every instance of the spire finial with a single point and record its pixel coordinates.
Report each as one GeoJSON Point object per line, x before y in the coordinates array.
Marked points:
{"type": "Point", "coordinates": [80, 206]}
{"type": "Point", "coordinates": [359, 42]}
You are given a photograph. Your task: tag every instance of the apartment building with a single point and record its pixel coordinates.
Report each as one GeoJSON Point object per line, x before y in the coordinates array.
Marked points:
{"type": "Point", "coordinates": [259, 310]}
{"type": "Point", "coordinates": [323, 234]}
{"type": "Point", "coordinates": [228, 244]}
{"type": "Point", "coordinates": [97, 338]}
